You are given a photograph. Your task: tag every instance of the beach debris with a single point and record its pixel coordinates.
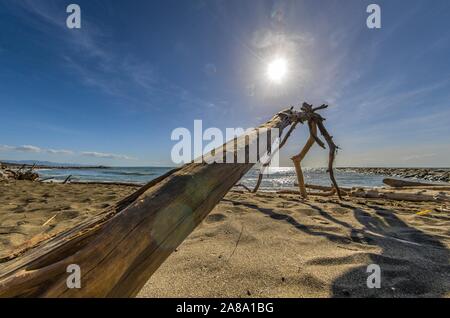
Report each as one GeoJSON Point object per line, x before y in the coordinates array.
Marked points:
{"type": "Point", "coordinates": [4, 175]}
{"type": "Point", "coordinates": [315, 121]}
{"type": "Point", "coordinates": [415, 194]}
{"type": "Point", "coordinates": [323, 191]}
{"type": "Point", "coordinates": [19, 174]}
{"type": "Point", "coordinates": [344, 191]}
{"type": "Point", "coordinates": [315, 193]}
{"type": "Point", "coordinates": [49, 220]}
{"type": "Point", "coordinates": [403, 185]}
{"type": "Point", "coordinates": [267, 163]}
{"type": "Point", "coordinates": [27, 175]}
{"type": "Point", "coordinates": [298, 159]}
{"type": "Point", "coordinates": [67, 179]}
{"type": "Point", "coordinates": [243, 186]}
{"type": "Point", "coordinates": [424, 212]}
{"type": "Point", "coordinates": [396, 183]}
{"type": "Point", "coordinates": [46, 179]}
{"type": "Point", "coordinates": [431, 196]}
{"type": "Point", "coordinates": [237, 243]}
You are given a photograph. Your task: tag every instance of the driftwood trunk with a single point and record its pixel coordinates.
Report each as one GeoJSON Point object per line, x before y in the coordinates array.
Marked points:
{"type": "Point", "coordinates": [404, 183]}
{"type": "Point", "coordinates": [421, 196]}
{"type": "Point", "coordinates": [121, 248]}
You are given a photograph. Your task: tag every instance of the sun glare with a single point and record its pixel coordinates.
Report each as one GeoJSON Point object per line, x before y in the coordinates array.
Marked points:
{"type": "Point", "coordinates": [277, 70]}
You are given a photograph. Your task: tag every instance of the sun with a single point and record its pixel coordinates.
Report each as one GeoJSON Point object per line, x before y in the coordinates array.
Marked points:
{"type": "Point", "coordinates": [277, 69]}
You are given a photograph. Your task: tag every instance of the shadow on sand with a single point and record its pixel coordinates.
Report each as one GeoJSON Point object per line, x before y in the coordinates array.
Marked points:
{"type": "Point", "coordinates": [413, 263]}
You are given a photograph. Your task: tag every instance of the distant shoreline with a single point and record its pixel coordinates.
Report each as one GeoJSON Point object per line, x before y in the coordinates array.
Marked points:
{"type": "Point", "coordinates": [10, 165]}
{"type": "Point", "coordinates": [423, 173]}
{"type": "Point", "coordinates": [75, 166]}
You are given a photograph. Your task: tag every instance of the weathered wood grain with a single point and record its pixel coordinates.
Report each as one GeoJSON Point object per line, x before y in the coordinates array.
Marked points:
{"type": "Point", "coordinates": [122, 247]}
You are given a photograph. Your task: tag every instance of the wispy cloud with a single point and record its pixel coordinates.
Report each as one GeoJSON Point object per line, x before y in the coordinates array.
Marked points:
{"type": "Point", "coordinates": [24, 148]}
{"type": "Point", "coordinates": [60, 152]}
{"type": "Point", "coordinates": [320, 57]}
{"type": "Point", "coordinates": [35, 149]}
{"type": "Point", "coordinates": [123, 76]}
{"type": "Point", "coordinates": [391, 96]}
{"type": "Point", "coordinates": [105, 155]}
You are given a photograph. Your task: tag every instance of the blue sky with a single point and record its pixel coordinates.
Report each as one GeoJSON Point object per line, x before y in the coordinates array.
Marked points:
{"type": "Point", "coordinates": [112, 92]}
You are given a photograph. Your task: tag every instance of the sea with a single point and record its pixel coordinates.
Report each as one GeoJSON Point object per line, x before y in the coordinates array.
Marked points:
{"type": "Point", "coordinates": [278, 178]}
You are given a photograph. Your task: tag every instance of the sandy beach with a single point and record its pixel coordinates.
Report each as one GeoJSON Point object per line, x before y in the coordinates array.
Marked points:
{"type": "Point", "coordinates": [264, 244]}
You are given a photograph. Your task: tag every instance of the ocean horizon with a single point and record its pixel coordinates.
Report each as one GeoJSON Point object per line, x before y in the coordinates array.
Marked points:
{"type": "Point", "coordinates": [279, 178]}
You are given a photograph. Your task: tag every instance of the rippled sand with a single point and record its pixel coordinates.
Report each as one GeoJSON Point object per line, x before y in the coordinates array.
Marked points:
{"type": "Point", "coordinates": [264, 245]}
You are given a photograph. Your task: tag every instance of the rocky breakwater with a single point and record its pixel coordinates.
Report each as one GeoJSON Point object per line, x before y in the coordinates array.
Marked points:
{"type": "Point", "coordinates": [429, 174]}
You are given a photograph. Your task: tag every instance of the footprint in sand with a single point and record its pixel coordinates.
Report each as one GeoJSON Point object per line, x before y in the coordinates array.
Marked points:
{"type": "Point", "coordinates": [358, 258]}
{"type": "Point", "coordinates": [306, 212]}
{"type": "Point", "coordinates": [67, 215]}
{"type": "Point", "coordinates": [320, 220]}
{"type": "Point", "coordinates": [340, 211]}
{"type": "Point", "coordinates": [19, 209]}
{"type": "Point", "coordinates": [214, 218]}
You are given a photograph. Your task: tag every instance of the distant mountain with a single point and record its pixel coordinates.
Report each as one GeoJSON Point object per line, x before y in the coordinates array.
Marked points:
{"type": "Point", "coordinates": [42, 163]}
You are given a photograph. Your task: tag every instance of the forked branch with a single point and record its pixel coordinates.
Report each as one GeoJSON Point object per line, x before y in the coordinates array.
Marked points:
{"type": "Point", "coordinates": [314, 121]}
